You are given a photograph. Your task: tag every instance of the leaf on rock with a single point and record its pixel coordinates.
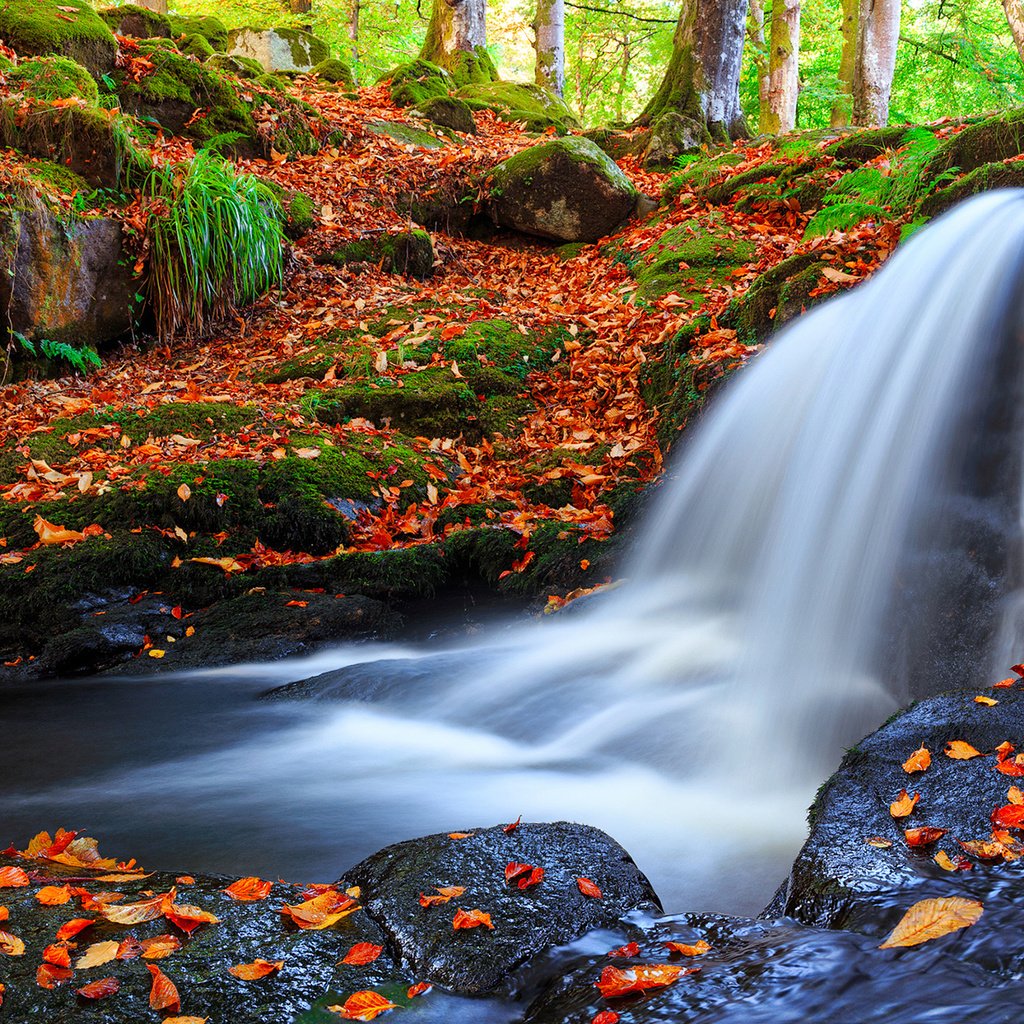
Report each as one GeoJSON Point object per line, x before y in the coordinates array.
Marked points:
{"type": "Point", "coordinates": [97, 954]}
{"type": "Point", "coordinates": [923, 836]}
{"type": "Point", "coordinates": [256, 970]}
{"type": "Point", "coordinates": [322, 911]}
{"type": "Point", "coordinates": [99, 989]}
{"type": "Point", "coordinates": [1010, 816]}
{"type": "Point", "coordinates": [160, 946]}
{"type": "Point", "coordinates": [362, 953]}
{"type": "Point", "coordinates": [630, 949]}
{"type": "Point", "coordinates": [509, 829]}
{"type": "Point", "coordinates": [989, 702]}
{"type": "Point", "coordinates": [903, 804]}
{"type": "Point", "coordinates": [162, 994]}
{"type": "Point", "coordinates": [471, 919]}
{"type": "Point", "coordinates": [918, 761]}
{"type": "Point", "coordinates": [11, 945]}
{"type": "Point", "coordinates": [588, 888]}
{"type": "Point", "coordinates": [699, 948]}
{"type": "Point", "coordinates": [50, 976]}
{"type": "Point", "coordinates": [418, 989]}
{"type": "Point", "coordinates": [57, 954]}
{"type": "Point", "coordinates": [12, 878]}
{"type": "Point", "coordinates": [444, 895]}
{"type": "Point", "coordinates": [249, 889]}
{"type": "Point", "coordinates": [961, 751]}
{"type": "Point", "coordinates": [73, 927]}
{"type": "Point", "coordinates": [188, 918]}
{"type": "Point", "coordinates": [54, 895]}
{"type": "Point", "coordinates": [931, 919]}
{"type": "Point", "coordinates": [606, 1017]}
{"type": "Point", "coordinates": [365, 1005]}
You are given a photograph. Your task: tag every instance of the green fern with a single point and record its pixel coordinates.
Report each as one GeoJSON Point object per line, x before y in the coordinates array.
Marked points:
{"type": "Point", "coordinates": [80, 358]}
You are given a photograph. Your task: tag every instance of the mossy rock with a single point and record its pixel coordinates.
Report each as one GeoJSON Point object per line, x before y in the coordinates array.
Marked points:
{"type": "Point", "coordinates": [807, 188]}
{"type": "Point", "coordinates": [414, 83]}
{"type": "Point", "coordinates": [701, 171]}
{"type": "Point", "coordinates": [981, 179]}
{"type": "Point", "coordinates": [406, 134]}
{"type": "Point", "coordinates": [612, 141]}
{"type": "Point", "coordinates": [467, 67]}
{"type": "Point", "coordinates": [449, 112]}
{"type": "Point", "coordinates": [335, 71]}
{"type": "Point", "coordinates": [774, 298]}
{"type": "Point", "coordinates": [138, 22]}
{"type": "Point", "coordinates": [84, 139]}
{"type": "Point", "coordinates": [243, 67]}
{"type": "Point", "coordinates": [986, 142]}
{"type": "Point", "coordinates": [68, 28]}
{"type": "Point", "coordinates": [537, 107]}
{"type": "Point", "coordinates": [210, 28]}
{"type": "Point", "coordinates": [53, 78]}
{"type": "Point", "coordinates": [197, 46]}
{"type": "Point", "coordinates": [671, 136]}
{"type": "Point", "coordinates": [297, 209]}
{"type": "Point", "coordinates": [504, 346]}
{"type": "Point", "coordinates": [279, 49]}
{"type": "Point", "coordinates": [48, 177]}
{"type": "Point", "coordinates": [404, 252]}
{"type": "Point", "coordinates": [861, 146]}
{"type": "Point", "coordinates": [565, 189]}
{"type": "Point", "coordinates": [722, 192]}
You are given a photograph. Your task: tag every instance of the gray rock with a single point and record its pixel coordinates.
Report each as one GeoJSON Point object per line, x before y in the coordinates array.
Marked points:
{"type": "Point", "coordinates": [565, 189]}
{"type": "Point", "coordinates": [672, 136]}
{"type": "Point", "coordinates": [279, 49]}
{"type": "Point", "coordinates": [449, 112]}
{"type": "Point", "coordinates": [526, 921]}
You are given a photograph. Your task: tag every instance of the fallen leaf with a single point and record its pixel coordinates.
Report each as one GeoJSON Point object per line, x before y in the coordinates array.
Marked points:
{"type": "Point", "coordinates": [606, 1017]}
{"type": "Point", "coordinates": [49, 976]}
{"type": "Point", "coordinates": [184, 492]}
{"type": "Point", "coordinates": [99, 989]}
{"type": "Point", "coordinates": [321, 911]}
{"type": "Point", "coordinates": [162, 994]}
{"type": "Point", "coordinates": [903, 804]}
{"type": "Point", "coordinates": [133, 913]}
{"type": "Point", "coordinates": [918, 761]}
{"type": "Point", "coordinates": [54, 895]}
{"type": "Point", "coordinates": [878, 842]}
{"type": "Point", "coordinates": [509, 829]}
{"type": "Point", "coordinates": [923, 836]}
{"type": "Point", "coordinates": [1010, 816]}
{"type": "Point", "coordinates": [588, 888]}
{"type": "Point", "coordinates": [699, 948]}
{"type": "Point", "coordinates": [629, 950]}
{"type": "Point", "coordinates": [961, 751]}
{"type": "Point", "coordinates": [12, 878]}
{"type": "Point", "coordinates": [987, 701]}
{"type": "Point", "coordinates": [931, 919]}
{"type": "Point", "coordinates": [160, 946]}
{"type": "Point", "coordinates": [616, 981]}
{"type": "Point", "coordinates": [73, 927]}
{"type": "Point", "coordinates": [256, 970]}
{"type": "Point", "coordinates": [444, 894]}
{"type": "Point", "coordinates": [249, 889]}
{"type": "Point", "coordinates": [363, 1005]}
{"type": "Point", "coordinates": [418, 989]}
{"type": "Point", "coordinates": [49, 533]}
{"type": "Point", "coordinates": [188, 918]}
{"type": "Point", "coordinates": [362, 953]}
{"type": "Point", "coordinates": [471, 919]}
{"type": "Point", "coordinates": [97, 954]}
{"type": "Point", "coordinates": [57, 954]}
{"type": "Point", "coordinates": [459, 835]}
{"type": "Point", "coordinates": [948, 864]}
{"type": "Point", "coordinates": [11, 945]}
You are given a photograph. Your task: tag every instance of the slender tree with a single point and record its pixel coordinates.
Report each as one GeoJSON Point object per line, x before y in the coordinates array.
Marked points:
{"type": "Point", "coordinates": [703, 75]}
{"type": "Point", "coordinates": [354, 11]}
{"type": "Point", "coordinates": [759, 54]}
{"type": "Point", "coordinates": [842, 108]}
{"type": "Point", "coordinates": [549, 42]}
{"type": "Point", "coordinates": [1015, 16]}
{"type": "Point", "coordinates": [457, 40]}
{"type": "Point", "coordinates": [878, 32]}
{"type": "Point", "coordinates": [783, 67]}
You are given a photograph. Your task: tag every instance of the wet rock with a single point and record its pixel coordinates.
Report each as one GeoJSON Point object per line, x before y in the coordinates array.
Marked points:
{"type": "Point", "coordinates": [776, 297]}
{"type": "Point", "coordinates": [526, 921]}
{"type": "Point", "coordinates": [839, 880]}
{"type": "Point", "coordinates": [565, 189]}
{"type": "Point", "coordinates": [1009, 174]}
{"type": "Point", "coordinates": [672, 136]}
{"type": "Point", "coordinates": [279, 49]}
{"type": "Point", "coordinates": [773, 972]}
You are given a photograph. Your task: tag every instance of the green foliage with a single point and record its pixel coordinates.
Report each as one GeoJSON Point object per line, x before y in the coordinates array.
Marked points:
{"type": "Point", "coordinates": [216, 242]}
{"type": "Point", "coordinates": [79, 358]}
{"type": "Point", "coordinates": [53, 78]}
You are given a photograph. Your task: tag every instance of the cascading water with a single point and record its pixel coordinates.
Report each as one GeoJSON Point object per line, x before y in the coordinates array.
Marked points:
{"type": "Point", "coordinates": [773, 611]}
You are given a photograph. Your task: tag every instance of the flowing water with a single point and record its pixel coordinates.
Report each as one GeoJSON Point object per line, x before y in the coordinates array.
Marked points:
{"type": "Point", "coordinates": [803, 571]}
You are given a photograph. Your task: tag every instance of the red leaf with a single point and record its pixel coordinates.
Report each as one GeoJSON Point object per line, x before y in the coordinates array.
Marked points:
{"type": "Point", "coordinates": [606, 1017]}
{"type": "Point", "coordinates": [509, 829]}
{"type": "Point", "coordinates": [418, 989]}
{"type": "Point", "coordinates": [471, 919]}
{"type": "Point", "coordinates": [514, 870]}
{"type": "Point", "coordinates": [49, 976]}
{"type": "Point", "coordinates": [588, 888]}
{"type": "Point", "coordinates": [362, 953]}
{"type": "Point", "coordinates": [73, 927]}
{"type": "Point", "coordinates": [630, 949]}
{"type": "Point", "coordinates": [363, 1006]}
{"type": "Point", "coordinates": [99, 989]}
{"type": "Point", "coordinates": [249, 889]}
{"type": "Point", "coordinates": [617, 982]}
{"type": "Point", "coordinates": [535, 877]}
{"type": "Point", "coordinates": [924, 835]}
{"type": "Point", "coordinates": [1010, 816]}
{"type": "Point", "coordinates": [162, 995]}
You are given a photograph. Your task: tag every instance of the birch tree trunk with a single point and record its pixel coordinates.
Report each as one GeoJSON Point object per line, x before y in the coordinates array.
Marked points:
{"type": "Point", "coordinates": [759, 53]}
{"type": "Point", "coordinates": [784, 67]}
{"type": "Point", "coordinates": [842, 109]}
{"type": "Point", "coordinates": [703, 75]}
{"type": "Point", "coordinates": [457, 40]}
{"type": "Point", "coordinates": [1015, 16]}
{"type": "Point", "coordinates": [877, 36]}
{"type": "Point", "coordinates": [353, 36]}
{"type": "Point", "coordinates": [624, 63]}
{"type": "Point", "coordinates": [549, 42]}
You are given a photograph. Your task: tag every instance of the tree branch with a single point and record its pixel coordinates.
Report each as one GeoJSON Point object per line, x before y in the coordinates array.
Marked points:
{"type": "Point", "coordinates": [622, 14]}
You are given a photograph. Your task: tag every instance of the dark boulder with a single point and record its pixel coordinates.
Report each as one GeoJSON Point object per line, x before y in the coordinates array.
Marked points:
{"type": "Point", "coordinates": [526, 921]}
{"type": "Point", "coordinates": [449, 112]}
{"type": "Point", "coordinates": [403, 252]}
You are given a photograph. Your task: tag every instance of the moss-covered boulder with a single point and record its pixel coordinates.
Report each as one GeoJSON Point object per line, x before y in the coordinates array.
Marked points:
{"type": "Point", "coordinates": [565, 189]}
{"type": "Point", "coordinates": [53, 78]}
{"type": "Point", "coordinates": [138, 22]}
{"type": "Point", "coordinates": [414, 83]}
{"type": "Point", "coordinates": [775, 297]}
{"type": "Point", "coordinates": [210, 28]}
{"type": "Point", "coordinates": [449, 112]}
{"type": "Point", "coordinates": [85, 140]}
{"type": "Point", "coordinates": [722, 190]}
{"type": "Point", "coordinates": [866, 144]}
{"type": "Point", "coordinates": [196, 46]}
{"type": "Point", "coordinates": [614, 142]}
{"type": "Point", "coordinates": [671, 136]}
{"type": "Point", "coordinates": [406, 134]}
{"type": "Point", "coordinates": [297, 208]}
{"type": "Point", "coordinates": [402, 252]}
{"type": "Point", "coordinates": [242, 67]}
{"type": "Point", "coordinates": [1008, 174]}
{"type": "Point", "coordinates": [533, 105]}
{"type": "Point", "coordinates": [68, 28]}
{"type": "Point", "coordinates": [279, 49]}
{"type": "Point", "coordinates": [335, 71]}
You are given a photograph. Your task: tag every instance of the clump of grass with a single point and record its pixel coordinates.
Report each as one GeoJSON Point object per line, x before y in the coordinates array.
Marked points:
{"type": "Point", "coordinates": [215, 243]}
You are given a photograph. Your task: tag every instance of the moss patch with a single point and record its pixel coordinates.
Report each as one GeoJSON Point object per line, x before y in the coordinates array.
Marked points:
{"type": "Point", "coordinates": [68, 28]}
{"type": "Point", "coordinates": [403, 252]}
{"type": "Point", "coordinates": [133, 20]}
{"type": "Point", "coordinates": [196, 46]}
{"type": "Point", "coordinates": [54, 78]}
{"type": "Point", "coordinates": [335, 71]}
{"type": "Point", "coordinates": [534, 105]}
{"type": "Point", "coordinates": [416, 82]}
{"type": "Point", "coordinates": [210, 28]}
{"type": "Point", "coordinates": [981, 179]}
{"type": "Point", "coordinates": [406, 134]}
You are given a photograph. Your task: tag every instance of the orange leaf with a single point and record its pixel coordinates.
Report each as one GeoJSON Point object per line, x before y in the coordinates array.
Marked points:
{"type": "Point", "coordinates": [918, 761]}
{"type": "Point", "coordinates": [514, 870]}
{"type": "Point", "coordinates": [444, 894]}
{"type": "Point", "coordinates": [363, 1006]}
{"type": "Point", "coordinates": [1004, 750]}
{"type": "Point", "coordinates": [73, 927]}
{"type": "Point", "coordinates": [256, 970]}
{"type": "Point", "coordinates": [535, 877]}
{"type": "Point", "coordinates": [188, 918]}
{"type": "Point", "coordinates": [129, 948]}
{"type": "Point", "coordinates": [185, 1020]}
{"type": "Point", "coordinates": [987, 701]}
{"type": "Point", "coordinates": [471, 919]}
{"type": "Point", "coordinates": [249, 889]}
{"type": "Point", "coordinates": [509, 829]}
{"type": "Point", "coordinates": [1010, 816]}
{"type": "Point", "coordinates": [923, 836]}
{"type": "Point", "coordinates": [459, 835]}
{"type": "Point", "coordinates": [53, 895]}
{"type": "Point", "coordinates": [49, 976]}
{"type": "Point", "coordinates": [133, 913]}
{"type": "Point", "coordinates": [961, 751]}
{"type": "Point", "coordinates": [49, 533]}
{"type": "Point", "coordinates": [699, 948]}
{"type": "Point", "coordinates": [362, 953]}
{"type": "Point", "coordinates": [606, 1017]}
{"type": "Point", "coordinates": [903, 804]}
{"type": "Point", "coordinates": [588, 888]}
{"type": "Point", "coordinates": [11, 945]}
{"type": "Point", "coordinates": [12, 878]}
{"type": "Point", "coordinates": [948, 864]}
{"type": "Point", "coordinates": [931, 919]}
{"type": "Point", "coordinates": [162, 995]}
{"type": "Point", "coordinates": [160, 946]}
{"type": "Point", "coordinates": [57, 954]}
{"type": "Point", "coordinates": [322, 911]}
{"type": "Point", "coordinates": [1014, 768]}
{"type": "Point", "coordinates": [617, 981]}
{"type": "Point", "coordinates": [1004, 684]}
{"type": "Point", "coordinates": [630, 949]}
{"type": "Point", "coordinates": [418, 989]}
{"type": "Point", "coordinates": [4, 913]}
{"type": "Point", "coordinates": [97, 954]}
{"type": "Point", "coordinates": [99, 989]}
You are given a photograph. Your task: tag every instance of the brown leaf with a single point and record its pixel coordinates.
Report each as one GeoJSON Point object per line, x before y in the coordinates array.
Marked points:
{"type": "Point", "coordinates": [99, 989]}
{"type": "Point", "coordinates": [931, 919]}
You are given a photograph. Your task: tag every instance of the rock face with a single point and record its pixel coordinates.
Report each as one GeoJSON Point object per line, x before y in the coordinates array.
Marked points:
{"type": "Point", "coordinates": [72, 281]}
{"type": "Point", "coordinates": [279, 49]}
{"type": "Point", "coordinates": [69, 28]}
{"type": "Point", "coordinates": [566, 189]}
{"type": "Point", "coordinates": [526, 921]}
{"type": "Point", "coordinates": [673, 135]}
{"type": "Point", "coordinates": [449, 112]}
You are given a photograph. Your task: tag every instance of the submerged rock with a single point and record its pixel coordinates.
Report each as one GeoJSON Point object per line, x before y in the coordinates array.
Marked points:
{"type": "Point", "coordinates": [525, 921]}
{"type": "Point", "coordinates": [565, 189]}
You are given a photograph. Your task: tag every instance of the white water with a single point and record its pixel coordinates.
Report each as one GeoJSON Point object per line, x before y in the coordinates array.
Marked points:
{"type": "Point", "coordinates": [692, 712]}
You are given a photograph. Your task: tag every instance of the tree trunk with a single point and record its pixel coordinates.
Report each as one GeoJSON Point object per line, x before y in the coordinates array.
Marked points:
{"type": "Point", "coordinates": [353, 35]}
{"type": "Point", "coordinates": [842, 109]}
{"type": "Point", "coordinates": [627, 59]}
{"type": "Point", "coordinates": [1015, 16]}
{"type": "Point", "coordinates": [300, 6]}
{"type": "Point", "coordinates": [877, 36]}
{"type": "Point", "coordinates": [549, 42]}
{"type": "Point", "coordinates": [703, 76]}
{"type": "Point", "coordinates": [784, 67]}
{"type": "Point", "coordinates": [759, 53]}
{"type": "Point", "coordinates": [457, 39]}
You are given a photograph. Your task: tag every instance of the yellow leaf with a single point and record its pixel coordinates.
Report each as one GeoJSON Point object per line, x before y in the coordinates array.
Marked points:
{"type": "Point", "coordinates": [961, 751]}
{"type": "Point", "coordinates": [933, 918]}
{"type": "Point", "coordinates": [11, 944]}
{"type": "Point", "coordinates": [156, 653]}
{"type": "Point", "coordinates": [97, 954]}
{"type": "Point", "coordinates": [987, 701]}
{"type": "Point", "coordinates": [184, 492]}
{"type": "Point", "coordinates": [229, 565]}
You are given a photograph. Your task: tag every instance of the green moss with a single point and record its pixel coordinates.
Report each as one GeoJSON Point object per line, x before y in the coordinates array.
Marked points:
{"type": "Point", "coordinates": [504, 346]}
{"type": "Point", "coordinates": [517, 101]}
{"type": "Point", "coordinates": [335, 71]}
{"type": "Point", "coordinates": [771, 297]}
{"type": "Point", "coordinates": [403, 252]}
{"type": "Point", "coordinates": [297, 209]}
{"type": "Point", "coordinates": [449, 112]}
{"type": "Point", "coordinates": [416, 82]}
{"type": "Point", "coordinates": [616, 144]}
{"type": "Point", "coordinates": [50, 177]}
{"type": "Point", "coordinates": [723, 191]}
{"type": "Point", "coordinates": [243, 67]}
{"type": "Point", "coordinates": [864, 145]}
{"type": "Point", "coordinates": [407, 134]}
{"type": "Point", "coordinates": [981, 179]}
{"type": "Point", "coordinates": [197, 46]}
{"type": "Point", "coordinates": [53, 78]}
{"type": "Point", "coordinates": [133, 20]}
{"type": "Point", "coordinates": [306, 49]}
{"type": "Point", "coordinates": [210, 28]}
{"type": "Point", "coordinates": [37, 28]}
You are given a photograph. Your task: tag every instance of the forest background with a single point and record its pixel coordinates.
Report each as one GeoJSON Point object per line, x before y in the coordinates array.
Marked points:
{"type": "Point", "coordinates": [955, 57]}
